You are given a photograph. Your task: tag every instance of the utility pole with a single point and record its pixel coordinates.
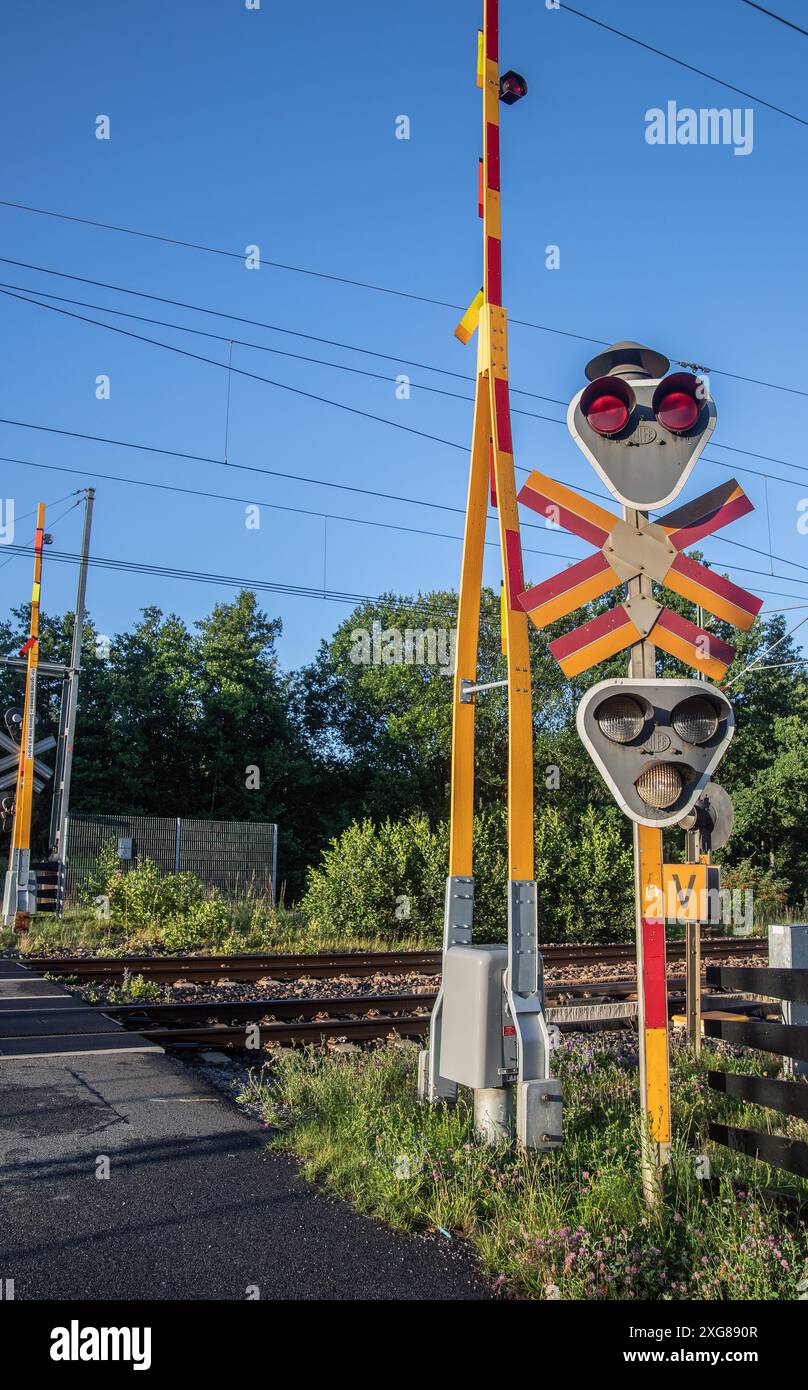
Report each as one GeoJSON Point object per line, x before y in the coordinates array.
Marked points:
{"type": "Point", "coordinates": [69, 706]}
{"type": "Point", "coordinates": [19, 896]}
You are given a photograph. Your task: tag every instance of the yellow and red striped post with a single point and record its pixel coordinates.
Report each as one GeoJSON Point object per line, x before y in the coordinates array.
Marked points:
{"type": "Point", "coordinates": [652, 994]}
{"type": "Point", "coordinates": [491, 460]}
{"type": "Point", "coordinates": [16, 902]}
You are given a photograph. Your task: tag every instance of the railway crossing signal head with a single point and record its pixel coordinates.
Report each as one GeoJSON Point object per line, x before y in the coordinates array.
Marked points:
{"type": "Point", "coordinates": [641, 430]}
{"type": "Point", "coordinates": [656, 743]}
{"type": "Point", "coordinates": [512, 87]}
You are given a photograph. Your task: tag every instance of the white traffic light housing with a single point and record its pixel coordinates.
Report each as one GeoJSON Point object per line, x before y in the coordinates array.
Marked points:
{"type": "Point", "coordinates": [655, 743]}
{"type": "Point", "coordinates": [642, 431]}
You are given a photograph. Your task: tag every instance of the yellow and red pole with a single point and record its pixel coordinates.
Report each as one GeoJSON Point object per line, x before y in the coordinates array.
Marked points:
{"type": "Point", "coordinates": [19, 900]}
{"type": "Point", "coordinates": [652, 993]}
{"type": "Point", "coordinates": [492, 456]}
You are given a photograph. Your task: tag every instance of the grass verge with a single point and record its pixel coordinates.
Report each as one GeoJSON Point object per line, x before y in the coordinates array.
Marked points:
{"type": "Point", "coordinates": [568, 1225]}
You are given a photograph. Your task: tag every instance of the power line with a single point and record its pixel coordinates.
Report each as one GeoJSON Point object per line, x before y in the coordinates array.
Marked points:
{"type": "Point", "coordinates": [252, 585]}
{"type": "Point", "coordinates": [309, 395]}
{"type": "Point", "coordinates": [758, 659]}
{"type": "Point", "coordinates": [292, 356]}
{"type": "Point", "coordinates": [376, 376]}
{"type": "Point", "coordinates": [239, 371]}
{"type": "Point", "coordinates": [660, 53]}
{"type": "Point", "coordinates": [51, 523]}
{"type": "Point", "coordinates": [778, 17]}
{"type": "Point", "coordinates": [337, 516]}
{"type": "Point", "coordinates": [346, 487]}
{"type": "Point", "coordinates": [361, 284]}
{"type": "Point", "coordinates": [241, 318]}
{"type": "Point", "coordinates": [257, 585]}
{"type": "Point", "coordinates": [283, 507]}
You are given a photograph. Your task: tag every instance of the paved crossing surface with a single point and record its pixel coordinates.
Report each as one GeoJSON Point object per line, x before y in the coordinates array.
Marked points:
{"type": "Point", "coordinates": [39, 1018]}
{"type": "Point", "coordinates": [123, 1176]}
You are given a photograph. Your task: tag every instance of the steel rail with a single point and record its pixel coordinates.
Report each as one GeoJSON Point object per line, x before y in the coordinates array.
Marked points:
{"type": "Point", "coordinates": [224, 1023]}
{"type": "Point", "coordinates": [354, 964]}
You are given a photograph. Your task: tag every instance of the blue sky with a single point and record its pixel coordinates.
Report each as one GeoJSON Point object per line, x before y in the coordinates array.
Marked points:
{"type": "Point", "coordinates": [276, 127]}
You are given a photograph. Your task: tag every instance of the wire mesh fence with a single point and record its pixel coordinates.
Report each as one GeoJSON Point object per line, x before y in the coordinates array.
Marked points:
{"type": "Point", "coordinates": [237, 857]}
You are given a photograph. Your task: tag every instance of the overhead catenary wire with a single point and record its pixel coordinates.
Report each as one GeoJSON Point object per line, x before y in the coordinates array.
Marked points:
{"type": "Point", "coordinates": [359, 521]}
{"type": "Point", "coordinates": [331, 516]}
{"type": "Point", "coordinates": [379, 419]}
{"type": "Point", "coordinates": [780, 18]}
{"type": "Point", "coordinates": [292, 356]}
{"type": "Point", "coordinates": [284, 507]}
{"type": "Point", "coordinates": [361, 284]}
{"type": "Point", "coordinates": [239, 371]}
{"type": "Point", "coordinates": [252, 585]}
{"type": "Point", "coordinates": [669, 57]}
{"type": "Point", "coordinates": [359, 371]}
{"type": "Point", "coordinates": [77, 493]}
{"type": "Point", "coordinates": [347, 487]}
{"type": "Point", "coordinates": [757, 660]}
{"type": "Point", "coordinates": [275, 587]}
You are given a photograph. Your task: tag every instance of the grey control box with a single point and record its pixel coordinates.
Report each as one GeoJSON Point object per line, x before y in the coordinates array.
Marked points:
{"type": "Point", "coordinates": [471, 1050]}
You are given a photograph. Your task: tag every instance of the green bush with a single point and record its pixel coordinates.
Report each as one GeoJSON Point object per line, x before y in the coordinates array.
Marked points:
{"type": "Point", "coordinates": [101, 875]}
{"type": "Point", "coordinates": [389, 879]}
{"type": "Point", "coordinates": [386, 879]}
{"type": "Point", "coordinates": [201, 924]}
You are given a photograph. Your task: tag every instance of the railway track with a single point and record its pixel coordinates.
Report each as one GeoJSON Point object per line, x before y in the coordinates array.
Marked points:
{"type": "Point", "coordinates": [223, 1023]}
{"type": "Point", "coordinates": [331, 965]}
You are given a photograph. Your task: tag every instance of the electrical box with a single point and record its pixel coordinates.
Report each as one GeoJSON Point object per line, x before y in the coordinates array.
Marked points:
{"type": "Point", "coordinates": [539, 1112]}
{"type": "Point", "coordinates": [125, 847]}
{"type": "Point", "coordinates": [472, 1035]}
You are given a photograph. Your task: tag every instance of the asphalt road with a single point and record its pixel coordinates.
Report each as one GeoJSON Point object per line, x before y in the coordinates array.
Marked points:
{"type": "Point", "coordinates": [194, 1207]}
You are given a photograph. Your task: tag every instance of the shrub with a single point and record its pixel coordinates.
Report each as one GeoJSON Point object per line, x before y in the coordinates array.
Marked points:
{"type": "Point", "coordinates": [134, 896]}
{"type": "Point", "coordinates": [201, 924]}
{"type": "Point", "coordinates": [386, 879]}
{"type": "Point", "coordinates": [390, 878]}
{"type": "Point", "coordinates": [769, 889]}
{"type": "Point", "coordinates": [102, 873]}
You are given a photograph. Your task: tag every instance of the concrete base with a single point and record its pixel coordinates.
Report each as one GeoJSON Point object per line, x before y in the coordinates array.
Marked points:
{"type": "Point", "coordinates": [494, 1115]}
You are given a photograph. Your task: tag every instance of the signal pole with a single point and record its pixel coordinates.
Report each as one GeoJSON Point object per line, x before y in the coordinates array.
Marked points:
{"type": "Point", "coordinates": [652, 983]}
{"type": "Point", "coordinates": [19, 897]}
{"type": "Point", "coordinates": [488, 1029]}
{"type": "Point", "coordinates": [69, 705]}
{"type": "Point", "coordinates": [656, 743]}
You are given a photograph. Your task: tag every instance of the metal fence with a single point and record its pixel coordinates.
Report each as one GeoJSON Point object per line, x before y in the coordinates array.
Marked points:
{"type": "Point", "coordinates": [785, 980]}
{"type": "Point", "coordinates": [237, 857]}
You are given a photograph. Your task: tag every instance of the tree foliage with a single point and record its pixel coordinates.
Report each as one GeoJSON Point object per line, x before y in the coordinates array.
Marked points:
{"type": "Point", "coordinates": [174, 718]}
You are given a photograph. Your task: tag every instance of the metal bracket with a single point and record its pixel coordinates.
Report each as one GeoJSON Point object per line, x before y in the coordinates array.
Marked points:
{"type": "Point", "coordinates": [457, 929]}
{"type": "Point", "coordinates": [524, 985]}
{"type": "Point", "coordinates": [468, 689]}
{"type": "Point", "coordinates": [523, 936]}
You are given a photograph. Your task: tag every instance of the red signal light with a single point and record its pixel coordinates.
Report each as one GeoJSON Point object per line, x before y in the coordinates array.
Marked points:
{"type": "Point", "coordinates": [678, 411]}
{"type": "Point", "coordinates": [512, 87]}
{"type": "Point", "coordinates": [607, 414]}
{"type": "Point", "coordinates": [607, 404]}
{"type": "Point", "coordinates": [677, 402]}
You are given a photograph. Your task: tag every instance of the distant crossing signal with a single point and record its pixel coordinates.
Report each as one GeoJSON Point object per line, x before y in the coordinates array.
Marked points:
{"type": "Point", "coordinates": [10, 757]}
{"type": "Point", "coordinates": [656, 743]}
